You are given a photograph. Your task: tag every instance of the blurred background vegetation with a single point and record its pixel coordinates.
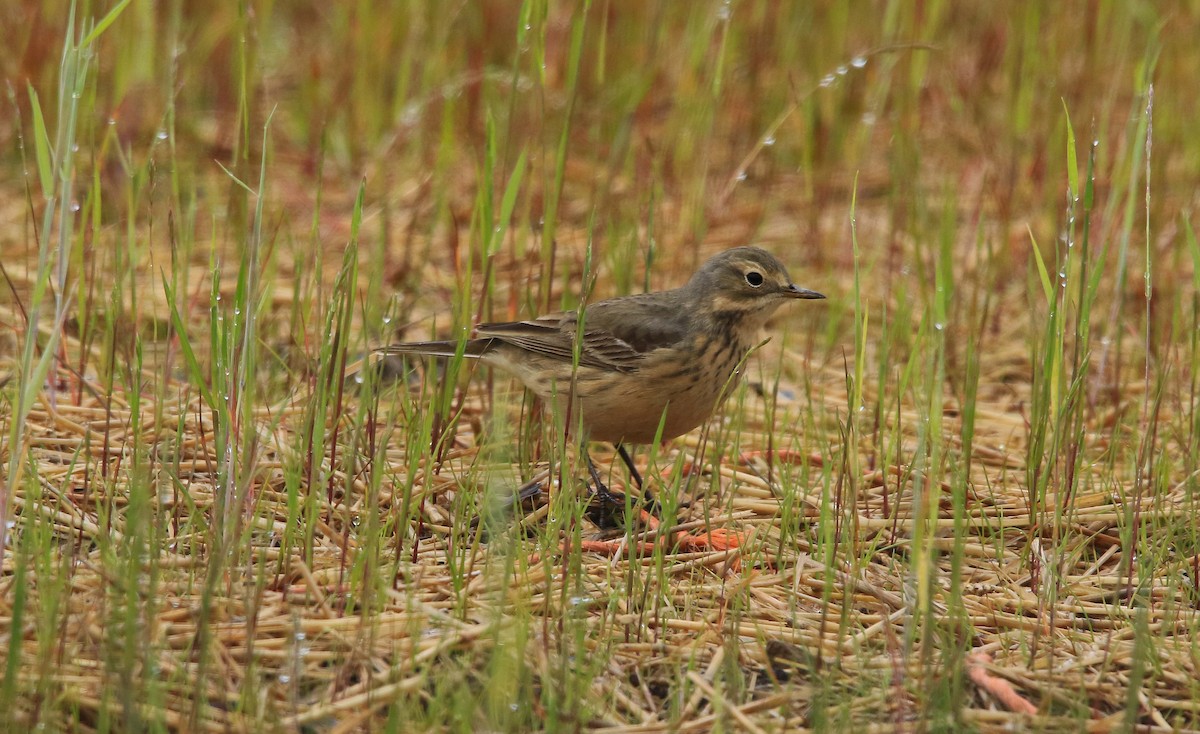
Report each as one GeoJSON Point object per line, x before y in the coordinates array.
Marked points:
{"type": "Point", "coordinates": [656, 112]}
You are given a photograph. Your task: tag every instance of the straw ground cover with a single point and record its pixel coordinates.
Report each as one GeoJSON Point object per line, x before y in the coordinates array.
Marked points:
{"type": "Point", "coordinates": [962, 490]}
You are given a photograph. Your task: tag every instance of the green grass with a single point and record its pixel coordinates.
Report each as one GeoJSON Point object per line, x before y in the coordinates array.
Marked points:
{"type": "Point", "coordinates": [984, 442]}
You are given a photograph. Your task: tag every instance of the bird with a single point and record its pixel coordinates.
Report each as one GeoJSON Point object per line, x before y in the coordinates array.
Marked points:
{"type": "Point", "coordinates": [638, 368]}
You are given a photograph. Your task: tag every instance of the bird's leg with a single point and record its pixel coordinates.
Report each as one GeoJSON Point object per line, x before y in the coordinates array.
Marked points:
{"type": "Point", "coordinates": [635, 474]}
{"type": "Point", "coordinates": [602, 492]}
{"type": "Point", "coordinates": [604, 510]}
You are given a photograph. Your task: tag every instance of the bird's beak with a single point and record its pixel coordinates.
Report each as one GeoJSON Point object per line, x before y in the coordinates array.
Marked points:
{"type": "Point", "coordinates": [796, 291]}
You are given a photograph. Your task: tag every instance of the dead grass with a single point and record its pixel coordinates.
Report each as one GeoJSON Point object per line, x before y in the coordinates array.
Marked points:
{"type": "Point", "coordinates": [290, 617]}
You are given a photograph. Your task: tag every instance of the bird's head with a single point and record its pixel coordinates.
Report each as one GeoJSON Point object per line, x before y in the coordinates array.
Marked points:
{"type": "Point", "coordinates": [745, 283]}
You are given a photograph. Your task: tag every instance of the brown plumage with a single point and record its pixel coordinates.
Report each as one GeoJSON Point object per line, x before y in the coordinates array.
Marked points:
{"type": "Point", "coordinates": [662, 358]}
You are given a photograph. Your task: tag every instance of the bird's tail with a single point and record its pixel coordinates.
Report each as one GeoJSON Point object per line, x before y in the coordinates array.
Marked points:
{"type": "Point", "coordinates": [472, 349]}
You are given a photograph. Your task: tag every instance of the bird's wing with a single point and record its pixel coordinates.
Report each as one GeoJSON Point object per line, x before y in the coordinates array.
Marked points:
{"type": "Point", "coordinates": [554, 336]}
{"type": "Point", "coordinates": [645, 322]}
{"type": "Point", "coordinates": [617, 333]}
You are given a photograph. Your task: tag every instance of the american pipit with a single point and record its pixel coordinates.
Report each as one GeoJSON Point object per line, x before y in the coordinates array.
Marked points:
{"type": "Point", "coordinates": [650, 366]}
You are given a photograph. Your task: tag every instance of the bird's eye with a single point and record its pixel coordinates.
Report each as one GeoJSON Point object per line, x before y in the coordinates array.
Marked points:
{"type": "Point", "coordinates": [754, 278]}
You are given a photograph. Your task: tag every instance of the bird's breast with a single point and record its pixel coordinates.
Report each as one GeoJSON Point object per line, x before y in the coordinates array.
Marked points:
{"type": "Point", "coordinates": [678, 388]}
